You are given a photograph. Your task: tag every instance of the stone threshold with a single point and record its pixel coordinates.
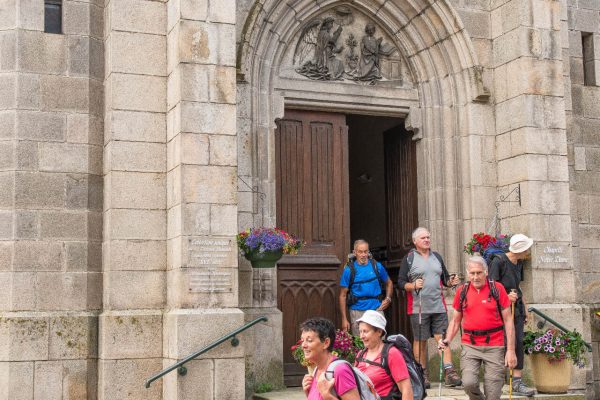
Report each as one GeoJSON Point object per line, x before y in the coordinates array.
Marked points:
{"type": "Point", "coordinates": [432, 394]}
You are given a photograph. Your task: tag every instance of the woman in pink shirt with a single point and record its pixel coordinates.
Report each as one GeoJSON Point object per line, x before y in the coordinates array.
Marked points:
{"type": "Point", "coordinates": [318, 335]}
{"type": "Point", "coordinates": [372, 331]}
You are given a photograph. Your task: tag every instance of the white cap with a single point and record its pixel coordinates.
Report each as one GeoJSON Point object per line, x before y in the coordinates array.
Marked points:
{"type": "Point", "coordinates": [373, 318]}
{"type": "Point", "coordinates": [519, 243]}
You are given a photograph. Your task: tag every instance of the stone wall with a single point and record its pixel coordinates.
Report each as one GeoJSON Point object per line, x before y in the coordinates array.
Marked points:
{"type": "Point", "coordinates": [50, 201]}
{"type": "Point", "coordinates": [581, 21]}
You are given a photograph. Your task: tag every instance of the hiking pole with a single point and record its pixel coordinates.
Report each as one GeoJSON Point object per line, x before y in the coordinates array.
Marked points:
{"type": "Point", "coordinates": [441, 367]}
{"type": "Point", "coordinates": [510, 379]}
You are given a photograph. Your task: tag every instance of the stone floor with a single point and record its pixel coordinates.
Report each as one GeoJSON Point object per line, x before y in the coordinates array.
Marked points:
{"type": "Point", "coordinates": [432, 394]}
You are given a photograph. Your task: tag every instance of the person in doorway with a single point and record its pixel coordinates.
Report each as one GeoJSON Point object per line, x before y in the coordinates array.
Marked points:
{"type": "Point", "coordinates": [364, 285]}
{"type": "Point", "coordinates": [422, 275]}
{"type": "Point", "coordinates": [482, 307]}
{"type": "Point", "coordinates": [507, 269]}
{"type": "Point", "coordinates": [318, 336]}
{"type": "Point", "coordinates": [390, 385]}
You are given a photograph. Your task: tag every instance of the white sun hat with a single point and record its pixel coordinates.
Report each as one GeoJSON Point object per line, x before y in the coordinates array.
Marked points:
{"type": "Point", "coordinates": [519, 243]}
{"type": "Point", "coordinates": [374, 319]}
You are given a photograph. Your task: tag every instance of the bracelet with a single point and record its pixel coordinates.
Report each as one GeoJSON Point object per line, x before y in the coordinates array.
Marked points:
{"type": "Point", "coordinates": [388, 298]}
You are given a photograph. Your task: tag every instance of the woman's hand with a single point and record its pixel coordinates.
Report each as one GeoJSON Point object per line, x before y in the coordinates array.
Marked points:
{"type": "Point", "coordinates": [306, 382]}
{"type": "Point", "coordinates": [325, 385]}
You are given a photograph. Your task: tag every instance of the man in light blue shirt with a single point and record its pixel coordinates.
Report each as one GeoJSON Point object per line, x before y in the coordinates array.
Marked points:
{"type": "Point", "coordinates": [364, 285]}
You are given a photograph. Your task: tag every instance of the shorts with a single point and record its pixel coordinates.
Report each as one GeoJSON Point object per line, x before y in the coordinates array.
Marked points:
{"type": "Point", "coordinates": [431, 324]}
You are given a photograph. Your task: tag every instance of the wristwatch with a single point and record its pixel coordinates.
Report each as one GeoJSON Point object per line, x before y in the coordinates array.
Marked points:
{"type": "Point", "coordinates": [388, 298]}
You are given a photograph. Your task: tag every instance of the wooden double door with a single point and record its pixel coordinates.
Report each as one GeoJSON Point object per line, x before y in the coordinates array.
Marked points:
{"type": "Point", "coordinates": [312, 157]}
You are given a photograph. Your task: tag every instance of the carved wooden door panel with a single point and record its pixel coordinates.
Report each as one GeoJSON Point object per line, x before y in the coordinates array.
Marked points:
{"type": "Point", "coordinates": [402, 215]}
{"type": "Point", "coordinates": [312, 202]}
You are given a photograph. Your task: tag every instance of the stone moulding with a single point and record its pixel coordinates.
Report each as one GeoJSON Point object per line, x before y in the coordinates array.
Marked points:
{"type": "Point", "coordinates": [447, 101]}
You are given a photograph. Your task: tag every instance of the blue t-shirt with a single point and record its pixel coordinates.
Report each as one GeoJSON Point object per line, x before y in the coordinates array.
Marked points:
{"type": "Point", "coordinates": [371, 288]}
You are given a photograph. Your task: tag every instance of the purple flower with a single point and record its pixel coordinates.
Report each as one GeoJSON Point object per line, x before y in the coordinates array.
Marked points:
{"type": "Point", "coordinates": [538, 347]}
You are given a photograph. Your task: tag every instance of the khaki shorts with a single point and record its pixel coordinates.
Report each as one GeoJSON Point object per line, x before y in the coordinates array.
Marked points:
{"type": "Point", "coordinates": [354, 315]}
{"type": "Point", "coordinates": [431, 324]}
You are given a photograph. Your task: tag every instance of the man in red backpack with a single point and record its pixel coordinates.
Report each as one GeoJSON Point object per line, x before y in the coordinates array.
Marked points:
{"type": "Point", "coordinates": [483, 308]}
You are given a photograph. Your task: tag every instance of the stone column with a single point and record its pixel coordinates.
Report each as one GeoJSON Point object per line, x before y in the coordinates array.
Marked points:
{"type": "Point", "coordinates": [531, 148]}
{"type": "Point", "coordinates": [50, 201]}
{"type": "Point", "coordinates": [135, 218]}
{"type": "Point", "coordinates": [202, 200]}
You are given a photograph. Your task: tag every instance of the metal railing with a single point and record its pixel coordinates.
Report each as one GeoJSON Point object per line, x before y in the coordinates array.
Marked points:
{"type": "Point", "coordinates": [183, 370]}
{"type": "Point", "coordinates": [541, 324]}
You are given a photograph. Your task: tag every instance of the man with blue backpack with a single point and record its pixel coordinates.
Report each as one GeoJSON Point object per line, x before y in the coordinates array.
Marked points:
{"type": "Point", "coordinates": [364, 285]}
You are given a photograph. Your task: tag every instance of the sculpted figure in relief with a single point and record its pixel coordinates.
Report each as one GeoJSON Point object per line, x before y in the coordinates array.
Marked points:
{"type": "Point", "coordinates": [371, 50]}
{"type": "Point", "coordinates": [324, 65]}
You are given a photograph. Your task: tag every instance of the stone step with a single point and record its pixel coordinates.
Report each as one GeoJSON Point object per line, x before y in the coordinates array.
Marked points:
{"type": "Point", "coordinates": [432, 394]}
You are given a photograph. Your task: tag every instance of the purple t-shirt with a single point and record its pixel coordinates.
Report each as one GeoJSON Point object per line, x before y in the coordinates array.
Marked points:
{"type": "Point", "coordinates": [344, 381]}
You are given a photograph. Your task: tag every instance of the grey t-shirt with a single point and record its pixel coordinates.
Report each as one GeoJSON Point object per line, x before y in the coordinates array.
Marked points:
{"type": "Point", "coordinates": [431, 295]}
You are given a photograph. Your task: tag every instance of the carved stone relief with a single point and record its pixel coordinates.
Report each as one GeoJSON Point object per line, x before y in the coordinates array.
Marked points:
{"type": "Point", "coordinates": [344, 44]}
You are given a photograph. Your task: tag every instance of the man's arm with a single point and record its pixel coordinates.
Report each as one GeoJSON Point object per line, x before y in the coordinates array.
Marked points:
{"type": "Point", "coordinates": [342, 301]}
{"type": "Point", "coordinates": [445, 274]}
{"type": "Point", "coordinates": [403, 279]}
{"type": "Point", "coordinates": [510, 359]}
{"type": "Point", "coordinates": [494, 269]}
{"type": "Point", "coordinates": [452, 329]}
{"type": "Point", "coordinates": [389, 290]}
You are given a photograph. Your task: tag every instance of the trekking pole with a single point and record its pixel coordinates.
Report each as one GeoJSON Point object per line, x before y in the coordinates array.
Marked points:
{"type": "Point", "coordinates": [441, 367]}
{"type": "Point", "coordinates": [510, 379]}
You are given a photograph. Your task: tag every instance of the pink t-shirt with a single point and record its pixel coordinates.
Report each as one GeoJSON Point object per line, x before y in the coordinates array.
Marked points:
{"type": "Point", "coordinates": [381, 380]}
{"type": "Point", "coordinates": [344, 381]}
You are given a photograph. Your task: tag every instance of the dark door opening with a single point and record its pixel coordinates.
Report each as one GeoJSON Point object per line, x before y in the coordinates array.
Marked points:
{"type": "Point", "coordinates": [383, 197]}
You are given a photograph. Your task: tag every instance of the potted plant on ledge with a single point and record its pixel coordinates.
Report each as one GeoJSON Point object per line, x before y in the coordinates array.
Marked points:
{"type": "Point", "coordinates": [549, 351]}
{"type": "Point", "coordinates": [263, 247]}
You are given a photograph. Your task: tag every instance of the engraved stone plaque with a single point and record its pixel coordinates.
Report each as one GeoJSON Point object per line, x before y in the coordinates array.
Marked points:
{"type": "Point", "coordinates": [210, 262]}
{"type": "Point", "coordinates": [552, 255]}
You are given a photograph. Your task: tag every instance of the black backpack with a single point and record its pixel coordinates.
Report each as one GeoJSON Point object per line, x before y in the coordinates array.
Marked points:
{"type": "Point", "coordinates": [415, 371]}
{"type": "Point", "coordinates": [493, 294]}
{"type": "Point", "coordinates": [351, 298]}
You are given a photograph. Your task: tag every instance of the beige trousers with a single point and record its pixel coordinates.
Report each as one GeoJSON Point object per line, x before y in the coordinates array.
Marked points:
{"type": "Point", "coordinates": [471, 359]}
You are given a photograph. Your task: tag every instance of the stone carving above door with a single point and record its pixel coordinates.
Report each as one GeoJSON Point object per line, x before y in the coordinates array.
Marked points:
{"type": "Point", "coordinates": [345, 45]}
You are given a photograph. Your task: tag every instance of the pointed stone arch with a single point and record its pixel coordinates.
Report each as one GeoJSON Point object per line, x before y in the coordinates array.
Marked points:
{"type": "Point", "coordinates": [446, 109]}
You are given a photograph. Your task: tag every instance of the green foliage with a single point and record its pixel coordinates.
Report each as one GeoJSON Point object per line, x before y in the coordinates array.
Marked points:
{"type": "Point", "coordinates": [556, 345]}
{"type": "Point", "coordinates": [263, 388]}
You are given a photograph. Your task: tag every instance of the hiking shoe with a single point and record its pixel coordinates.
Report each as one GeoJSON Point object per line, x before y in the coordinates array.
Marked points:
{"type": "Point", "coordinates": [451, 377]}
{"type": "Point", "coordinates": [426, 381]}
{"type": "Point", "coordinates": [522, 389]}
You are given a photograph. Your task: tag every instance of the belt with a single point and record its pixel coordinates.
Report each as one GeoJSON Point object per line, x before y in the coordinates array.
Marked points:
{"type": "Point", "coordinates": [485, 333]}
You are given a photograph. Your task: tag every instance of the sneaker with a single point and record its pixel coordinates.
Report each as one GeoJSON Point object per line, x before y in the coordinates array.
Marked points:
{"type": "Point", "coordinates": [451, 377]}
{"type": "Point", "coordinates": [426, 381]}
{"type": "Point", "coordinates": [522, 389]}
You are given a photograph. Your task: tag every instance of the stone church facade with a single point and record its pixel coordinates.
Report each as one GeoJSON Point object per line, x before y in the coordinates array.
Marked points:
{"type": "Point", "coordinates": [139, 139]}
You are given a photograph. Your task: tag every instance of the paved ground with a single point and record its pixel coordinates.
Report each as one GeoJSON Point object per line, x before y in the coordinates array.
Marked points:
{"type": "Point", "coordinates": [432, 394]}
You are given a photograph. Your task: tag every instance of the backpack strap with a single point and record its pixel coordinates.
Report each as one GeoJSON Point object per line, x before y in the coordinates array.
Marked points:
{"type": "Point", "coordinates": [381, 282]}
{"type": "Point", "coordinates": [463, 295]}
{"type": "Point", "coordinates": [350, 265]}
{"type": "Point", "coordinates": [335, 363]}
{"type": "Point", "coordinates": [385, 364]}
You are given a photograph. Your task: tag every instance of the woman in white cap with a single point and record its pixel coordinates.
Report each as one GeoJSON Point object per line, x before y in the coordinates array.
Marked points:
{"type": "Point", "coordinates": [507, 269]}
{"type": "Point", "coordinates": [394, 385]}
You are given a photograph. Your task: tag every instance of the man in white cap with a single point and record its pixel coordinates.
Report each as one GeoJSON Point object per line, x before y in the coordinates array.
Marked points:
{"type": "Point", "coordinates": [507, 269]}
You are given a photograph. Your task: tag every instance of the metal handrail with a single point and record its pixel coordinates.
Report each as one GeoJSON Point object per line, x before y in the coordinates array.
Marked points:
{"type": "Point", "coordinates": [183, 370]}
{"type": "Point", "coordinates": [541, 324]}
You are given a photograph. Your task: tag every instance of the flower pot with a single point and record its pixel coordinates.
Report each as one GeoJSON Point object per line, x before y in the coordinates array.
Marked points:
{"type": "Point", "coordinates": [550, 376]}
{"type": "Point", "coordinates": [268, 259]}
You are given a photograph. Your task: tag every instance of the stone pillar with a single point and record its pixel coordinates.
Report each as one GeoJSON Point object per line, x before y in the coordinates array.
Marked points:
{"type": "Point", "coordinates": [50, 201]}
{"type": "Point", "coordinates": [135, 218]}
{"type": "Point", "coordinates": [202, 272]}
{"type": "Point", "coordinates": [531, 148]}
